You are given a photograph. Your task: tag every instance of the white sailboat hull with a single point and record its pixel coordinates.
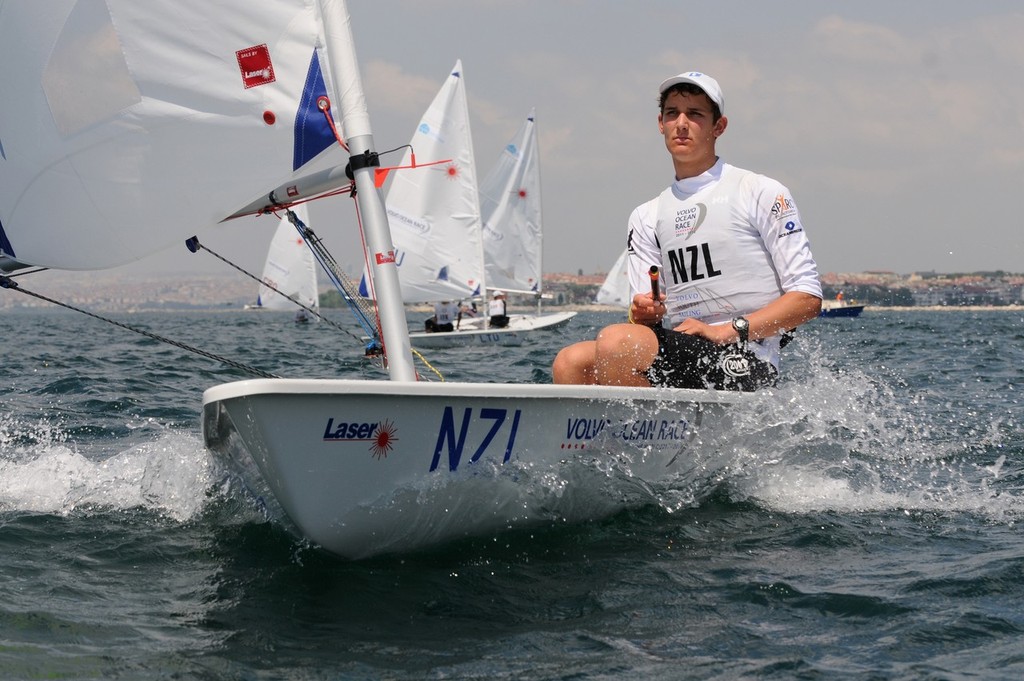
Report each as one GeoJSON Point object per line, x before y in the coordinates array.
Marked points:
{"type": "Point", "coordinates": [368, 467]}
{"type": "Point", "coordinates": [471, 332]}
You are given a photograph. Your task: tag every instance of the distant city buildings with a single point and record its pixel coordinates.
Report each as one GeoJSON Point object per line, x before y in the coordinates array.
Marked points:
{"type": "Point", "coordinates": [928, 289]}
{"type": "Point", "coordinates": [110, 292]}
{"type": "Point", "coordinates": [107, 292]}
{"type": "Point", "coordinates": [918, 289]}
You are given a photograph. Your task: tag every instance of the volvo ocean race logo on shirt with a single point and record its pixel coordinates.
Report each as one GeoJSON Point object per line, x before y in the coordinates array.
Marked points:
{"type": "Point", "coordinates": [688, 220]}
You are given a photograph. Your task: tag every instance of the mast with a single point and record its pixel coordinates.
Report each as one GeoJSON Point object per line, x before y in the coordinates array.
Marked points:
{"type": "Point", "coordinates": [355, 118]}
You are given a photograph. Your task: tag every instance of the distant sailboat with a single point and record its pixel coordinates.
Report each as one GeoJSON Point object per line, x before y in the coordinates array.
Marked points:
{"type": "Point", "coordinates": [290, 270]}
{"type": "Point", "coordinates": [615, 289]}
{"type": "Point", "coordinates": [434, 212]}
{"type": "Point", "coordinates": [435, 217]}
{"type": "Point", "coordinates": [510, 202]}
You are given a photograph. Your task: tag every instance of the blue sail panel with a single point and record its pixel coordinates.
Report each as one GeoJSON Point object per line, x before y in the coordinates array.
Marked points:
{"type": "Point", "coordinates": [5, 243]}
{"type": "Point", "coordinates": [312, 132]}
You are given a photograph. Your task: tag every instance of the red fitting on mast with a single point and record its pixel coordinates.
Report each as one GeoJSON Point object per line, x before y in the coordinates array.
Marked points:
{"type": "Point", "coordinates": [323, 102]}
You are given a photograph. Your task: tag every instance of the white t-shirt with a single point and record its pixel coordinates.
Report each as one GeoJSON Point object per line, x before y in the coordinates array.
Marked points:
{"type": "Point", "coordinates": [496, 307]}
{"type": "Point", "coordinates": [726, 243]}
{"type": "Point", "coordinates": [446, 313]}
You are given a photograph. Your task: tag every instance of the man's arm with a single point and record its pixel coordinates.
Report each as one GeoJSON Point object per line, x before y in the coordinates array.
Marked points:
{"type": "Point", "coordinates": [786, 312]}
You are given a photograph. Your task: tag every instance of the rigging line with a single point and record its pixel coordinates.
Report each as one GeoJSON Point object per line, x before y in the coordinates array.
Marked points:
{"type": "Point", "coordinates": [193, 245]}
{"type": "Point", "coordinates": [346, 287]}
{"type": "Point", "coordinates": [368, 269]}
{"type": "Point", "coordinates": [420, 357]}
{"type": "Point", "coordinates": [8, 283]}
{"type": "Point", "coordinates": [324, 104]}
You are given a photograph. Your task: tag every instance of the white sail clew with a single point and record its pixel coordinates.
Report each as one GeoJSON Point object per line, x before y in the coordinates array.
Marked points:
{"type": "Point", "coordinates": [290, 269]}
{"type": "Point", "coordinates": [510, 202]}
{"type": "Point", "coordinates": [434, 211]}
{"type": "Point", "coordinates": [119, 118]}
{"type": "Point", "coordinates": [615, 289]}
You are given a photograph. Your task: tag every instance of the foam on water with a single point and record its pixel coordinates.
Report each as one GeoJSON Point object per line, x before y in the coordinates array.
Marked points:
{"type": "Point", "coordinates": [838, 440]}
{"type": "Point", "coordinates": [40, 472]}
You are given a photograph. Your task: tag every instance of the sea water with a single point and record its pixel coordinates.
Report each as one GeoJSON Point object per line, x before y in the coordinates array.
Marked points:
{"type": "Point", "coordinates": [864, 522]}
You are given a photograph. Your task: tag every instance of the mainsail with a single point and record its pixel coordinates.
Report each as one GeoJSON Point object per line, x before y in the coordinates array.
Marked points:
{"type": "Point", "coordinates": [511, 207]}
{"type": "Point", "coordinates": [434, 211]}
{"type": "Point", "coordinates": [127, 126]}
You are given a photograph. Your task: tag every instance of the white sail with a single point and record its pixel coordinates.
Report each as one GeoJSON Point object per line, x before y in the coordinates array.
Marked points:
{"type": "Point", "coordinates": [290, 269]}
{"type": "Point", "coordinates": [434, 211]}
{"type": "Point", "coordinates": [510, 202]}
{"type": "Point", "coordinates": [615, 289]}
{"type": "Point", "coordinates": [128, 126]}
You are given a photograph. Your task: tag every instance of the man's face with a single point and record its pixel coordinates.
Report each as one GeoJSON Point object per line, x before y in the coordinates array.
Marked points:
{"type": "Point", "coordinates": [686, 123]}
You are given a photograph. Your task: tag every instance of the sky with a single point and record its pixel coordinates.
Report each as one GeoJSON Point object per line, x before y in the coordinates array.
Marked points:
{"type": "Point", "coordinates": [897, 126]}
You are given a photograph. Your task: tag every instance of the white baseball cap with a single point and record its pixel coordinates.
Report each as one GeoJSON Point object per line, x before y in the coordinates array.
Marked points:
{"type": "Point", "coordinates": [705, 82]}
{"type": "Point", "coordinates": [497, 293]}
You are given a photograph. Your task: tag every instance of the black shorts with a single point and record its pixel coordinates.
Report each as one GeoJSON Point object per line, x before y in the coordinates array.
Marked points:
{"type": "Point", "coordinates": [432, 326]}
{"type": "Point", "coordinates": [686, 361]}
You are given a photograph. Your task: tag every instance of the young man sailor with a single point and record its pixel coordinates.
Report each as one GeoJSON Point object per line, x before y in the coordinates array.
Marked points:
{"type": "Point", "coordinates": [735, 265]}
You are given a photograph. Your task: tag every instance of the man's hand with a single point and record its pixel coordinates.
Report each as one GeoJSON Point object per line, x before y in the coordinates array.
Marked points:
{"type": "Point", "coordinates": [646, 310]}
{"type": "Point", "coordinates": [722, 334]}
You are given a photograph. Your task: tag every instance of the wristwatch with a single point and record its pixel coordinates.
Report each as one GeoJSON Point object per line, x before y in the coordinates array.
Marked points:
{"type": "Point", "coordinates": [742, 327]}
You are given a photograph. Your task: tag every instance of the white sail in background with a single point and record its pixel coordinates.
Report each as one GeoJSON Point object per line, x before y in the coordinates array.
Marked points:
{"type": "Point", "coordinates": [434, 211]}
{"type": "Point", "coordinates": [290, 269]}
{"type": "Point", "coordinates": [511, 208]}
{"type": "Point", "coordinates": [127, 126]}
{"type": "Point", "coordinates": [615, 289]}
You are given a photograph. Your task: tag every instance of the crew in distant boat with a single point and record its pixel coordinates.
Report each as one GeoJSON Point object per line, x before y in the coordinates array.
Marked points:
{"type": "Point", "coordinates": [446, 315]}
{"type": "Point", "coordinates": [734, 259]}
{"type": "Point", "coordinates": [497, 310]}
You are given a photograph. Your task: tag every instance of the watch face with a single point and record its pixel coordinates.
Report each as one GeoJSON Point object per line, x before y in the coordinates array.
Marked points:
{"type": "Point", "coordinates": [740, 323]}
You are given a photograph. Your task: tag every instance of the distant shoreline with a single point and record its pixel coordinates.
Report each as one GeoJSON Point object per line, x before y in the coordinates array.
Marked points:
{"type": "Point", "coordinates": [867, 308]}
{"type": "Point", "coordinates": [519, 309]}
{"type": "Point", "coordinates": [944, 308]}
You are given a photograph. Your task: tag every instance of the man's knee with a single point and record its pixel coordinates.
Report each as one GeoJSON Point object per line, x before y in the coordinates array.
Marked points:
{"type": "Point", "coordinates": [573, 363]}
{"type": "Point", "coordinates": [620, 340]}
{"type": "Point", "coordinates": [562, 367]}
